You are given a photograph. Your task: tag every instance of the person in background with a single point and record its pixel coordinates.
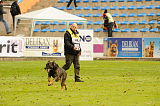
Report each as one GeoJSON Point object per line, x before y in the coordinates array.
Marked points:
{"type": "Point", "coordinates": [71, 2]}
{"type": "Point", "coordinates": [15, 10]}
{"type": "Point", "coordinates": [72, 50]}
{"type": "Point", "coordinates": [2, 19]}
{"type": "Point", "coordinates": [108, 22]}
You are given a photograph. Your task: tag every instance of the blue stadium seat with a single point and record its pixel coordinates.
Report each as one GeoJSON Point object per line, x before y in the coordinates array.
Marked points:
{"type": "Point", "coordinates": [54, 23]}
{"type": "Point", "coordinates": [78, 1]}
{"type": "Point", "coordinates": [97, 15]}
{"type": "Point", "coordinates": [98, 23]}
{"type": "Point", "coordinates": [132, 15]}
{"type": "Point", "coordinates": [130, 0]}
{"type": "Point", "coordinates": [104, 1]}
{"type": "Point", "coordinates": [122, 7]}
{"type": "Point", "coordinates": [80, 23]}
{"type": "Point", "coordinates": [104, 8]}
{"type": "Point", "coordinates": [114, 7]}
{"type": "Point", "coordinates": [45, 30]}
{"type": "Point", "coordinates": [61, 1]}
{"type": "Point", "coordinates": [96, 8]}
{"type": "Point", "coordinates": [121, 0]}
{"type": "Point", "coordinates": [53, 30]}
{"type": "Point", "coordinates": [45, 23]}
{"type": "Point", "coordinates": [112, 0]}
{"type": "Point", "coordinates": [147, 0]}
{"type": "Point", "coordinates": [38, 23]}
{"type": "Point", "coordinates": [70, 23]}
{"type": "Point", "coordinates": [81, 15]}
{"type": "Point", "coordinates": [95, 1]}
{"type": "Point", "coordinates": [133, 22]}
{"type": "Point", "coordinates": [152, 22]}
{"type": "Point", "coordinates": [123, 15]}
{"type": "Point", "coordinates": [150, 7]}
{"type": "Point", "coordinates": [124, 22]}
{"type": "Point", "coordinates": [157, 7]}
{"type": "Point", "coordinates": [70, 8]}
{"type": "Point", "coordinates": [62, 30]}
{"type": "Point", "coordinates": [98, 30]}
{"type": "Point", "coordinates": [79, 8]}
{"type": "Point", "coordinates": [62, 23]}
{"type": "Point", "coordinates": [143, 22]}
{"type": "Point", "coordinates": [158, 22]}
{"type": "Point", "coordinates": [89, 22]}
{"type": "Point", "coordinates": [115, 15]}
{"type": "Point", "coordinates": [66, 1]}
{"type": "Point", "coordinates": [125, 30]}
{"type": "Point", "coordinates": [141, 14]}
{"type": "Point", "coordinates": [144, 30]}
{"type": "Point", "coordinates": [89, 15]}
{"type": "Point", "coordinates": [157, 0]}
{"type": "Point", "coordinates": [62, 8]}
{"type": "Point", "coordinates": [158, 14]}
{"type": "Point", "coordinates": [86, 1]}
{"type": "Point", "coordinates": [116, 30]}
{"type": "Point", "coordinates": [132, 7]}
{"type": "Point", "coordinates": [135, 30]}
{"type": "Point", "coordinates": [154, 30]}
{"type": "Point", "coordinates": [141, 7]}
{"type": "Point", "coordinates": [118, 22]}
{"type": "Point", "coordinates": [139, 0]}
{"type": "Point", "coordinates": [151, 14]}
{"type": "Point", "coordinates": [37, 30]}
{"type": "Point", "coordinates": [87, 8]}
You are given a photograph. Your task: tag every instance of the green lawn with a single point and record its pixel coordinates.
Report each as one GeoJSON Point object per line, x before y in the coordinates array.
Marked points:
{"type": "Point", "coordinates": [107, 83]}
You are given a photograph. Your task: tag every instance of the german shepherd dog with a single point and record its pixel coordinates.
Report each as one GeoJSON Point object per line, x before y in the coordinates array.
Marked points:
{"type": "Point", "coordinates": [149, 50]}
{"type": "Point", "coordinates": [56, 73]}
{"type": "Point", "coordinates": [113, 49]}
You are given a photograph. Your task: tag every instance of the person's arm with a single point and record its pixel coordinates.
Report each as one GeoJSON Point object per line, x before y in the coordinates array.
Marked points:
{"type": "Point", "coordinates": [18, 8]}
{"type": "Point", "coordinates": [67, 41]}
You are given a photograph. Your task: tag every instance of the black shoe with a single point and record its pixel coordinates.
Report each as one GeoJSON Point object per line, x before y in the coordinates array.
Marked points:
{"type": "Point", "coordinates": [8, 32]}
{"type": "Point", "coordinates": [78, 80]}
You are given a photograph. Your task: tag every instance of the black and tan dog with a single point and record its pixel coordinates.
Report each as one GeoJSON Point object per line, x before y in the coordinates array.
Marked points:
{"type": "Point", "coordinates": [113, 49]}
{"type": "Point", "coordinates": [57, 73]}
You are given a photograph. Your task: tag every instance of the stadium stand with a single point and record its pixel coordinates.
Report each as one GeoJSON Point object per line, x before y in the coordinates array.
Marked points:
{"type": "Point", "coordinates": [132, 16]}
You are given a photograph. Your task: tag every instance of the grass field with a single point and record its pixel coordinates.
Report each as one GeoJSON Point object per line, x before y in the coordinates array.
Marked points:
{"type": "Point", "coordinates": [107, 83]}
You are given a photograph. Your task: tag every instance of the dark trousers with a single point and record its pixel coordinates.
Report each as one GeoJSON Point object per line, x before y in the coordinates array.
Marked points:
{"type": "Point", "coordinates": [13, 18]}
{"type": "Point", "coordinates": [110, 27]}
{"type": "Point", "coordinates": [75, 60]}
{"type": "Point", "coordinates": [71, 2]}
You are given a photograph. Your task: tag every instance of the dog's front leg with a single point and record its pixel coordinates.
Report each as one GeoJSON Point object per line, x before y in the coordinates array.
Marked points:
{"type": "Point", "coordinates": [50, 81]}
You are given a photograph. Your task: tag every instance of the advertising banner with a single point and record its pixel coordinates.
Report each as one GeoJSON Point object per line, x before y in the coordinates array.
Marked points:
{"type": "Point", "coordinates": [43, 46]}
{"type": "Point", "coordinates": [98, 47]}
{"type": "Point", "coordinates": [54, 46]}
{"type": "Point", "coordinates": [151, 47]}
{"type": "Point", "coordinates": [124, 47]}
{"type": "Point", "coordinates": [11, 47]}
{"type": "Point", "coordinates": [86, 44]}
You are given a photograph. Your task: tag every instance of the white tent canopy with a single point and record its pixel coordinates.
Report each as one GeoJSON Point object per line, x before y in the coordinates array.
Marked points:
{"type": "Point", "coordinates": [48, 14]}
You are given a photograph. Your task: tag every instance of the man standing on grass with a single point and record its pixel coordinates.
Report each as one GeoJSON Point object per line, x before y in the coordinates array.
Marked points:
{"type": "Point", "coordinates": [72, 50]}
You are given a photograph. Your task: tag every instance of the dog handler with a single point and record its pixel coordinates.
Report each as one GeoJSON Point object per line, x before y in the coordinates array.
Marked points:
{"type": "Point", "coordinates": [72, 50]}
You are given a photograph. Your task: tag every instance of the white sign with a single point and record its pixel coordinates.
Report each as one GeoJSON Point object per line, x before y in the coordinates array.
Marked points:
{"type": "Point", "coordinates": [43, 47]}
{"type": "Point", "coordinates": [86, 37]}
{"type": "Point", "coordinates": [11, 47]}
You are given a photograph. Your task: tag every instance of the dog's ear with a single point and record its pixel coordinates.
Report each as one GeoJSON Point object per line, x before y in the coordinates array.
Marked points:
{"type": "Point", "coordinates": [48, 61]}
{"type": "Point", "coordinates": [110, 43]}
{"type": "Point", "coordinates": [116, 42]}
